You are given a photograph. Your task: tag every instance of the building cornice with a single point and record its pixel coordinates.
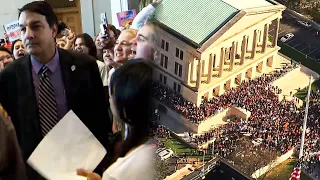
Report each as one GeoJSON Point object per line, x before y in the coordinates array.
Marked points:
{"type": "Point", "coordinates": [221, 31]}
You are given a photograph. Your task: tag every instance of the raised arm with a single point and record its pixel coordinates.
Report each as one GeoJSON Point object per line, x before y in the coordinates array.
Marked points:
{"type": "Point", "coordinates": [144, 14]}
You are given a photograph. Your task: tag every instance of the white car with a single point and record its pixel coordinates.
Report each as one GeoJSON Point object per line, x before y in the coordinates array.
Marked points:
{"type": "Point", "coordinates": [304, 23]}
{"type": "Point", "coordinates": [165, 154]}
{"type": "Point", "coordinates": [286, 37]}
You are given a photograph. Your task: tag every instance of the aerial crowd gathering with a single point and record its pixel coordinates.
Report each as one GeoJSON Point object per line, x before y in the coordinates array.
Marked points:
{"type": "Point", "coordinates": [118, 56]}
{"type": "Point", "coordinates": [278, 123]}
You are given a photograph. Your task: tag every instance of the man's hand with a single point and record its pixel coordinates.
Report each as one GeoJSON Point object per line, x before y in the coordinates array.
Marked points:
{"type": "Point", "coordinates": [88, 174]}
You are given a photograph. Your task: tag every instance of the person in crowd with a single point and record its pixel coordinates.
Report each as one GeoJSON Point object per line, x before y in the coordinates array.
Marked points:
{"type": "Point", "coordinates": [65, 37]}
{"type": "Point", "coordinates": [122, 50]}
{"type": "Point", "coordinates": [130, 103]}
{"type": "Point", "coordinates": [72, 82]}
{"type": "Point", "coordinates": [84, 44]}
{"type": "Point", "coordinates": [5, 57]}
{"type": "Point", "coordinates": [7, 43]}
{"type": "Point", "coordinates": [107, 42]}
{"type": "Point", "coordinates": [61, 42]}
{"type": "Point", "coordinates": [11, 162]}
{"type": "Point", "coordinates": [17, 49]}
{"type": "Point", "coordinates": [144, 45]}
{"type": "Point", "coordinates": [142, 17]}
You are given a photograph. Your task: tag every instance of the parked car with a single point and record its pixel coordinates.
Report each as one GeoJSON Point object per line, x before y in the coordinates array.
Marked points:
{"type": "Point", "coordinates": [165, 154]}
{"type": "Point", "coordinates": [305, 24]}
{"type": "Point", "coordinates": [286, 37]}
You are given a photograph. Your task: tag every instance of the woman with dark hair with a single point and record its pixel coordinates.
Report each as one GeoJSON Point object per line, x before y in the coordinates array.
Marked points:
{"type": "Point", "coordinates": [17, 49]}
{"type": "Point", "coordinates": [130, 102]}
{"type": "Point", "coordinates": [85, 44]}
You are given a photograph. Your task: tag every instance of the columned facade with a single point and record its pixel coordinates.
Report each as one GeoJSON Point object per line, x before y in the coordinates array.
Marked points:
{"type": "Point", "coordinates": [276, 22]}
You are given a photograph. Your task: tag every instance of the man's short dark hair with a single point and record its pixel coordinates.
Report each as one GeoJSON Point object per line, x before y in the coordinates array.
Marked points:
{"type": "Point", "coordinates": [43, 8]}
{"type": "Point", "coordinates": [5, 50]}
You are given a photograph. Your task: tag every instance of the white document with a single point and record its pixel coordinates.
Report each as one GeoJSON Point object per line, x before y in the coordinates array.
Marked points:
{"type": "Point", "coordinates": [68, 146]}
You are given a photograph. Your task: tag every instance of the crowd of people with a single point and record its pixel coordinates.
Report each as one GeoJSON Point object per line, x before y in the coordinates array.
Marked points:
{"type": "Point", "coordinates": [104, 80]}
{"type": "Point", "coordinates": [277, 123]}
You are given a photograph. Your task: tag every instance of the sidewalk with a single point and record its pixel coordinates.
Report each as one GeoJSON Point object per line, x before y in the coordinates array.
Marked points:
{"type": "Point", "coordinates": [172, 124]}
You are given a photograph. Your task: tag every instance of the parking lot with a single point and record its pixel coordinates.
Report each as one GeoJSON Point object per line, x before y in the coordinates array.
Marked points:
{"type": "Point", "coordinates": [305, 39]}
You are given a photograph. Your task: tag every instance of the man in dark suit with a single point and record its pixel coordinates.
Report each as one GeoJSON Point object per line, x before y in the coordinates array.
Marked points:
{"type": "Point", "coordinates": [40, 88]}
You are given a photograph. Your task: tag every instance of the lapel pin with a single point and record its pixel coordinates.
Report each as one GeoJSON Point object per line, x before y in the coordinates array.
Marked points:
{"type": "Point", "coordinates": [73, 67]}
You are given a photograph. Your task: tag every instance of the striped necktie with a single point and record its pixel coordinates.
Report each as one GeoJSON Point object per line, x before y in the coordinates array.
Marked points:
{"type": "Point", "coordinates": [47, 103]}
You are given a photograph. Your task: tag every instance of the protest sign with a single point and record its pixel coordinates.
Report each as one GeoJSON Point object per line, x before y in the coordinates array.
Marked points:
{"type": "Point", "coordinates": [13, 30]}
{"type": "Point", "coordinates": [126, 17]}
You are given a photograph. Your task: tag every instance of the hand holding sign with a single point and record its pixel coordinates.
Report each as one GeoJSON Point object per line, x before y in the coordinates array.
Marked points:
{"type": "Point", "coordinates": [13, 30]}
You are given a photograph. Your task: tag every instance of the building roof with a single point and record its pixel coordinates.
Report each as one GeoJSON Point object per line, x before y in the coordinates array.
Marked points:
{"type": "Point", "coordinates": [198, 20]}
{"type": "Point", "coordinates": [247, 4]}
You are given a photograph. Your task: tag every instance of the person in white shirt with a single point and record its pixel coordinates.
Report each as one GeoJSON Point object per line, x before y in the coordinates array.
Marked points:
{"type": "Point", "coordinates": [85, 44]}
{"type": "Point", "coordinates": [122, 51]}
{"type": "Point", "coordinates": [130, 102]}
{"type": "Point", "coordinates": [142, 17]}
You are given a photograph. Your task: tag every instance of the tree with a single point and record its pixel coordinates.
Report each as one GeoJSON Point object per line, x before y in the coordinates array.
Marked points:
{"type": "Point", "coordinates": [251, 158]}
{"type": "Point", "coordinates": [161, 169]}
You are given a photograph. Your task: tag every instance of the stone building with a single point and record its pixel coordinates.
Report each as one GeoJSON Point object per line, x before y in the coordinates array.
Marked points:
{"type": "Point", "coordinates": [209, 46]}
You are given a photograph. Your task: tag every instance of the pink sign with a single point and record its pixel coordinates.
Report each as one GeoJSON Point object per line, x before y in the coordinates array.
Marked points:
{"type": "Point", "coordinates": [126, 17]}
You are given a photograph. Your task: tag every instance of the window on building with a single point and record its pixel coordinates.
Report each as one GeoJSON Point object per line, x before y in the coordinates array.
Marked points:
{"type": "Point", "coordinates": [163, 79]}
{"type": "Point", "coordinates": [179, 53]}
{"type": "Point", "coordinates": [164, 45]}
{"type": "Point", "coordinates": [178, 69]}
{"type": "Point", "coordinates": [176, 87]}
{"type": "Point", "coordinates": [164, 61]}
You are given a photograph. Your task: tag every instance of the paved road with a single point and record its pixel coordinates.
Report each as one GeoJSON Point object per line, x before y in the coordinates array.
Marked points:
{"type": "Point", "coordinates": [304, 39]}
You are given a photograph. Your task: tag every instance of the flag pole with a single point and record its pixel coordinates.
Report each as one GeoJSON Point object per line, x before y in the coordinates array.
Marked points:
{"type": "Point", "coordinates": [305, 120]}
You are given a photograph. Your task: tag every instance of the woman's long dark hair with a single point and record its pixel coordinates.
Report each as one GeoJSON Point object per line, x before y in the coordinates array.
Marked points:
{"type": "Point", "coordinates": [131, 92]}
{"type": "Point", "coordinates": [88, 41]}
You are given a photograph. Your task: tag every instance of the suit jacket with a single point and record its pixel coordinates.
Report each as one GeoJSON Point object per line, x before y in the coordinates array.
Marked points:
{"type": "Point", "coordinates": [84, 93]}
{"type": "Point", "coordinates": [11, 163]}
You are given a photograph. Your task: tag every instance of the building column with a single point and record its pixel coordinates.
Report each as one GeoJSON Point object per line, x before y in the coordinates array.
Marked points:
{"type": "Point", "coordinates": [202, 68]}
{"type": "Point", "coordinates": [236, 52]}
{"type": "Point", "coordinates": [222, 54]}
{"type": "Point", "coordinates": [192, 70]}
{"type": "Point", "coordinates": [276, 32]}
{"type": "Point", "coordinates": [265, 38]}
{"type": "Point", "coordinates": [233, 55]}
{"type": "Point", "coordinates": [187, 73]}
{"type": "Point", "coordinates": [243, 50]}
{"type": "Point", "coordinates": [254, 44]}
{"type": "Point", "coordinates": [210, 68]}
{"type": "Point", "coordinates": [199, 68]}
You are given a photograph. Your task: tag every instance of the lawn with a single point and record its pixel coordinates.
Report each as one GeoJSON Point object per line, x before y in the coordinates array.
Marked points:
{"type": "Point", "coordinates": [283, 171]}
{"type": "Point", "coordinates": [180, 148]}
{"type": "Point", "coordinates": [299, 57]}
{"type": "Point", "coordinates": [303, 93]}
